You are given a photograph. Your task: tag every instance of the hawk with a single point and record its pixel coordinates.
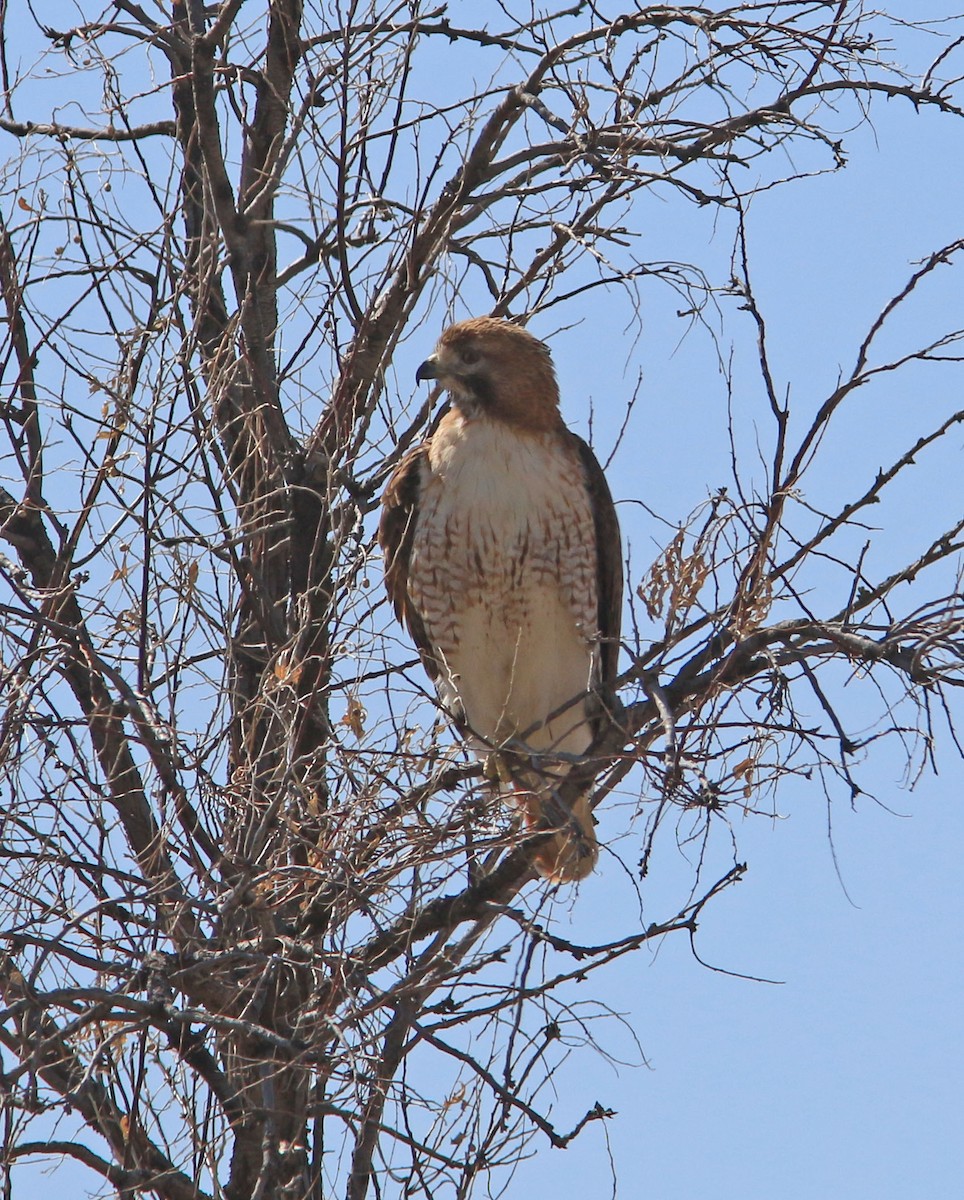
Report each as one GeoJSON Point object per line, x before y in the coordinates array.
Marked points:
{"type": "Point", "coordinates": [502, 558]}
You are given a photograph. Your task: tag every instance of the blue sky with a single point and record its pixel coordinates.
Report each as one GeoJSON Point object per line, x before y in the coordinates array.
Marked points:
{"type": "Point", "coordinates": [845, 1078]}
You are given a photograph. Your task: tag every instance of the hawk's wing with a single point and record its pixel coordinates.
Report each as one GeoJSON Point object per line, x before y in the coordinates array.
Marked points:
{"type": "Point", "coordinates": [396, 532]}
{"type": "Point", "coordinates": [609, 561]}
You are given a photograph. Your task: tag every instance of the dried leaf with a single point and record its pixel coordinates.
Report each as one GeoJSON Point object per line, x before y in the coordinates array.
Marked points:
{"type": "Point", "coordinates": [354, 718]}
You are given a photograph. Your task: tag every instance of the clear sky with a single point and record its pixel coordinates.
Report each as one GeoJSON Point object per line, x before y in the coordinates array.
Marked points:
{"type": "Point", "coordinates": [845, 1078]}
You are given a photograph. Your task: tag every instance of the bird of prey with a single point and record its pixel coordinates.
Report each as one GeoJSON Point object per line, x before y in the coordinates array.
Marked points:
{"type": "Point", "coordinates": [502, 558]}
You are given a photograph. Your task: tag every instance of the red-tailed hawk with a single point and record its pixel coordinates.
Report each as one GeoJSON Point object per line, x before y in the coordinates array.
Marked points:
{"type": "Point", "coordinates": [503, 559]}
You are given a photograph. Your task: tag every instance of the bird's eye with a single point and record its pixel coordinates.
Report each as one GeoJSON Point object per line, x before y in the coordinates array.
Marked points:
{"type": "Point", "coordinates": [469, 355]}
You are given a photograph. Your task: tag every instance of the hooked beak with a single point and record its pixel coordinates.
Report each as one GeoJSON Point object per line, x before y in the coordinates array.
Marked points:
{"type": "Point", "coordinates": [428, 369]}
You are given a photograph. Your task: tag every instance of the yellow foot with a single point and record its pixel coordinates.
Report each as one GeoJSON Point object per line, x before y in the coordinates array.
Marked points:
{"type": "Point", "coordinates": [496, 769]}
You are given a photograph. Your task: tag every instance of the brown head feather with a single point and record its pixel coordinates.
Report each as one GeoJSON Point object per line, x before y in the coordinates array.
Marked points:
{"type": "Point", "coordinates": [495, 368]}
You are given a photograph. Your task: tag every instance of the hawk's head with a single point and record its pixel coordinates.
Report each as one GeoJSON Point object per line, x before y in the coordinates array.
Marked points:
{"type": "Point", "coordinates": [495, 368]}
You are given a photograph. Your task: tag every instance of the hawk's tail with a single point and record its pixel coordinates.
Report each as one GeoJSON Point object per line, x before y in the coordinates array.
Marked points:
{"type": "Point", "coordinates": [573, 850]}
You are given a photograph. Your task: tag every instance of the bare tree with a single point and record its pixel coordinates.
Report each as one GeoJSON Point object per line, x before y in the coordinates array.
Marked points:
{"type": "Point", "coordinates": [265, 932]}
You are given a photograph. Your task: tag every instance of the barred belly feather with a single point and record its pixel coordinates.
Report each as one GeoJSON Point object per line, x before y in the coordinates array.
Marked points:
{"type": "Point", "coordinates": [503, 572]}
